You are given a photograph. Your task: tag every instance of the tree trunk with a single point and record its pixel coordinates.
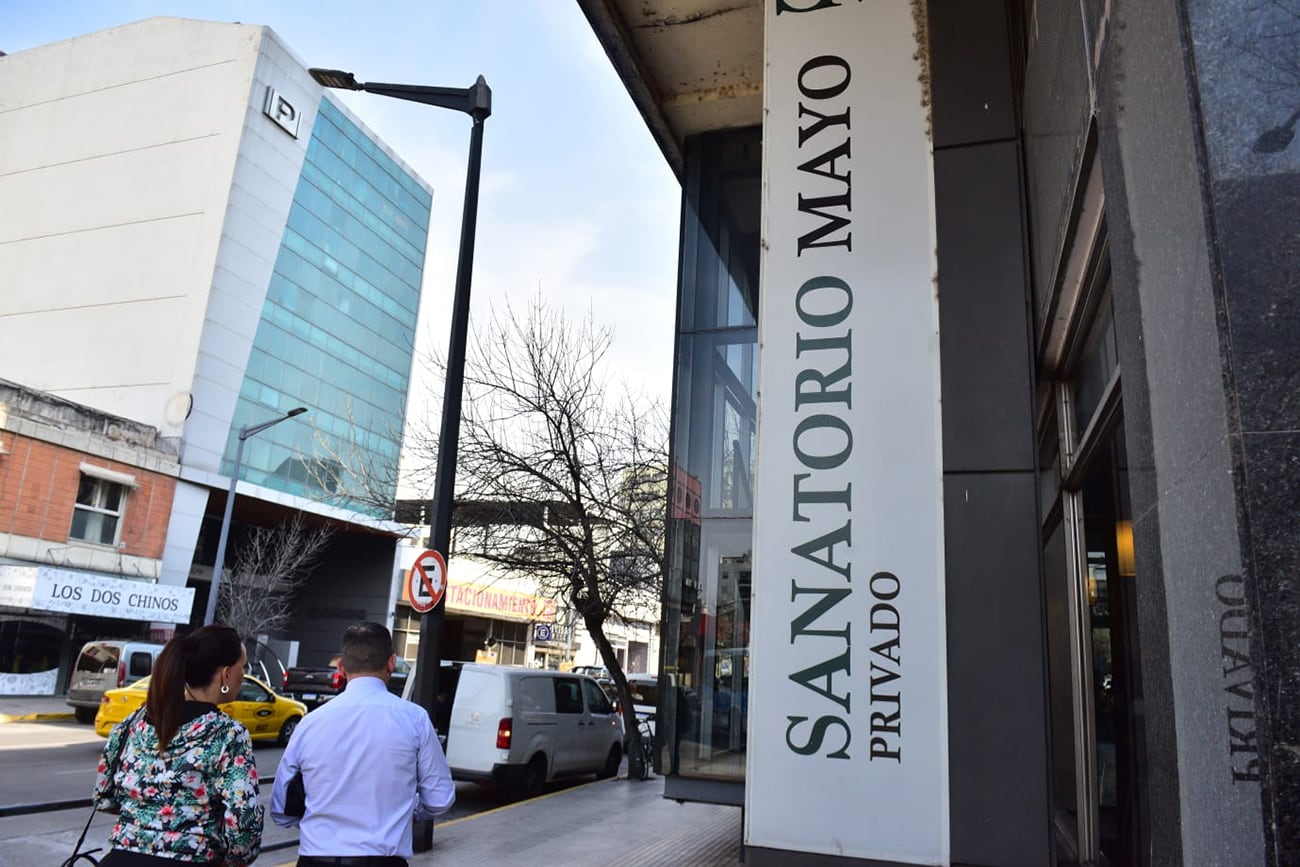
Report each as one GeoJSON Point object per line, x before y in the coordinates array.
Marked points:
{"type": "Point", "coordinates": [636, 767]}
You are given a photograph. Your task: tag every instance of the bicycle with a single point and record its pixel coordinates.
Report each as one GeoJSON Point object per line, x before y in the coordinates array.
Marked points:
{"type": "Point", "coordinates": [645, 726]}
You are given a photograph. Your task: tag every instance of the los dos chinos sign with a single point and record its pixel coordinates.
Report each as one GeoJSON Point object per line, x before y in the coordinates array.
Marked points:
{"type": "Point", "coordinates": [426, 581]}
{"type": "Point", "coordinates": [849, 684]}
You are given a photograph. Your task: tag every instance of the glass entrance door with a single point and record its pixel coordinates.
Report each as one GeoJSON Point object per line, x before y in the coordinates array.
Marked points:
{"type": "Point", "coordinates": [1116, 683]}
{"type": "Point", "coordinates": [1098, 771]}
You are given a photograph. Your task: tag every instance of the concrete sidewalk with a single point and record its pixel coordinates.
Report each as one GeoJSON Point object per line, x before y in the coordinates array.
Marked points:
{"type": "Point", "coordinates": [597, 824]}
{"type": "Point", "coordinates": [24, 708]}
{"type": "Point", "coordinates": [594, 825]}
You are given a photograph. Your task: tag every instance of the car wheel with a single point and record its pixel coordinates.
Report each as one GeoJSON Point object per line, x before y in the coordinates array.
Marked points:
{"type": "Point", "coordinates": [534, 778]}
{"type": "Point", "coordinates": [612, 761]}
{"type": "Point", "coordinates": [286, 730]}
{"type": "Point", "coordinates": [85, 714]}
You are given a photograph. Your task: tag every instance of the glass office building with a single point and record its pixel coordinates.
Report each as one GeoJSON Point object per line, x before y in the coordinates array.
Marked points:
{"type": "Point", "coordinates": [249, 246]}
{"type": "Point", "coordinates": [338, 325]}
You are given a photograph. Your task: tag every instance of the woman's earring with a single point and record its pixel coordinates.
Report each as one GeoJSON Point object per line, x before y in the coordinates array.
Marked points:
{"type": "Point", "coordinates": [224, 689]}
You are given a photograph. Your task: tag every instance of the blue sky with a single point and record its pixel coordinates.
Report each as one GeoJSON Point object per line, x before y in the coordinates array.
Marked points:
{"type": "Point", "coordinates": [576, 198]}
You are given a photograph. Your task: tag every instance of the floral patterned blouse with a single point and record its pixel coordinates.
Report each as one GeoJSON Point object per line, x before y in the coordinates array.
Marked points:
{"type": "Point", "coordinates": [196, 802]}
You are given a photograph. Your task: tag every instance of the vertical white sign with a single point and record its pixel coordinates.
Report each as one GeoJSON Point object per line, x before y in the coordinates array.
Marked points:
{"type": "Point", "coordinates": [848, 727]}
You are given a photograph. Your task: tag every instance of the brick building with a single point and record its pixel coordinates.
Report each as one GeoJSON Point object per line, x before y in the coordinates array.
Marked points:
{"type": "Point", "coordinates": [85, 502]}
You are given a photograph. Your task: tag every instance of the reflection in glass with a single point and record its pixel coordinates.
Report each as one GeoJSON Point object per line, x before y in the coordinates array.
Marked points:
{"type": "Point", "coordinates": [338, 323]}
{"type": "Point", "coordinates": [717, 394]}
{"type": "Point", "coordinates": [710, 675]}
{"type": "Point", "coordinates": [705, 684]}
{"type": "Point", "coordinates": [1061, 685]}
{"type": "Point", "coordinates": [1098, 363]}
{"type": "Point", "coordinates": [1116, 674]}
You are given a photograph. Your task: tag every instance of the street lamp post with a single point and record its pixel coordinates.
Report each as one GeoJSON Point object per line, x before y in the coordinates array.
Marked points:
{"type": "Point", "coordinates": [476, 101]}
{"type": "Point", "coordinates": [218, 565]}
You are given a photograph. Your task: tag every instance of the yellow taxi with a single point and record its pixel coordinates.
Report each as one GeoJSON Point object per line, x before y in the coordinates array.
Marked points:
{"type": "Point", "coordinates": [267, 716]}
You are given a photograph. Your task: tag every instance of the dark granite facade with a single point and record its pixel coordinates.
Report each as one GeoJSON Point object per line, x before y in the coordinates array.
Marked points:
{"type": "Point", "coordinates": [1203, 208]}
{"type": "Point", "coordinates": [1260, 251]}
{"type": "Point", "coordinates": [997, 740]}
{"type": "Point", "coordinates": [1249, 87]}
{"type": "Point", "coordinates": [1055, 117]}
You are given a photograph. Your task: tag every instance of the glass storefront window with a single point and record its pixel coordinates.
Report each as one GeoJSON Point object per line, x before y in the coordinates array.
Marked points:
{"type": "Point", "coordinates": [1060, 677]}
{"type": "Point", "coordinates": [1116, 672]}
{"type": "Point", "coordinates": [705, 683]}
{"type": "Point", "coordinates": [717, 392]}
{"type": "Point", "coordinates": [710, 671]}
{"type": "Point", "coordinates": [1098, 753]}
{"type": "Point", "coordinates": [1096, 366]}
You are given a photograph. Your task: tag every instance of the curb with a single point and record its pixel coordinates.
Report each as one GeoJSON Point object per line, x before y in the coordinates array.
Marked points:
{"type": "Point", "coordinates": [36, 717]}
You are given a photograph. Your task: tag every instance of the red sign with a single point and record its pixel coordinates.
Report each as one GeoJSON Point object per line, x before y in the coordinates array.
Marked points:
{"type": "Point", "coordinates": [427, 581]}
{"type": "Point", "coordinates": [686, 495]}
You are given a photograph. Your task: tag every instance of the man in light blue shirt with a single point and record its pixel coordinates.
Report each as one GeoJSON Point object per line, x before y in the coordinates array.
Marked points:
{"type": "Point", "coordinates": [370, 763]}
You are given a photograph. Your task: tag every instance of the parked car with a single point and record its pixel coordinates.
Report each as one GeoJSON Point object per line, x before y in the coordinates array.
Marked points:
{"type": "Point", "coordinates": [104, 665]}
{"type": "Point", "coordinates": [315, 686]}
{"type": "Point", "coordinates": [519, 728]}
{"type": "Point", "coordinates": [267, 716]}
{"type": "Point", "coordinates": [645, 695]}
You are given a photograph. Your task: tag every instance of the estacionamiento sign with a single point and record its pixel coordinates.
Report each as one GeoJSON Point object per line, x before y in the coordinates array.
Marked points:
{"type": "Point", "coordinates": [849, 681]}
{"type": "Point", "coordinates": [501, 604]}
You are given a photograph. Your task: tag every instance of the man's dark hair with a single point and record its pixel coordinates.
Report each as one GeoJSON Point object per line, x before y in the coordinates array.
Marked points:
{"type": "Point", "coordinates": [366, 648]}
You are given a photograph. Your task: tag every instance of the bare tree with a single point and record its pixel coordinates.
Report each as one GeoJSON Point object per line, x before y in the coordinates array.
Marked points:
{"type": "Point", "coordinates": [560, 479]}
{"type": "Point", "coordinates": [256, 597]}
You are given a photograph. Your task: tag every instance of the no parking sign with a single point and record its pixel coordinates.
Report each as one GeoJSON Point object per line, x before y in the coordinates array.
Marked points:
{"type": "Point", "coordinates": [427, 581]}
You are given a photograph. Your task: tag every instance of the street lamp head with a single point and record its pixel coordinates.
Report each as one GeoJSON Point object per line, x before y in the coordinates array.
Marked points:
{"type": "Point", "coordinates": [336, 78]}
{"type": "Point", "coordinates": [297, 410]}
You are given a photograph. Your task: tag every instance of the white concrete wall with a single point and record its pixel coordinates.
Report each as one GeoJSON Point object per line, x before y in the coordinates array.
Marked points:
{"type": "Point", "coordinates": [116, 156]}
{"type": "Point", "coordinates": [261, 193]}
{"type": "Point", "coordinates": [188, 504]}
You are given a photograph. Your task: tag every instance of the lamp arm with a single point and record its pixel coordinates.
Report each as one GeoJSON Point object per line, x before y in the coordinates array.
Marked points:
{"type": "Point", "coordinates": [475, 100]}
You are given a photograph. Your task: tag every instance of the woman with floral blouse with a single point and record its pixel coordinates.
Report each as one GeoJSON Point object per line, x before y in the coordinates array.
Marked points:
{"type": "Point", "coordinates": [185, 785]}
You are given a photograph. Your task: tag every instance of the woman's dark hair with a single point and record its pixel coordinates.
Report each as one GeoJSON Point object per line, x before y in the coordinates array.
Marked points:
{"type": "Point", "coordinates": [190, 660]}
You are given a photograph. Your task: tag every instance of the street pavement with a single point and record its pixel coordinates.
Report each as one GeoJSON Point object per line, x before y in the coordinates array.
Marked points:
{"type": "Point", "coordinates": [14, 708]}
{"type": "Point", "coordinates": [578, 824]}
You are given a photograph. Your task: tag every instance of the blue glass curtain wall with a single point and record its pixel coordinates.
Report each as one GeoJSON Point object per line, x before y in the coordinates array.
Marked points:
{"type": "Point", "coordinates": [338, 325]}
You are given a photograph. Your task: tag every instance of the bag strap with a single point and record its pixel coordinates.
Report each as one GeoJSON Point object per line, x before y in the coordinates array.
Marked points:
{"type": "Point", "coordinates": [77, 854]}
{"type": "Point", "coordinates": [114, 764]}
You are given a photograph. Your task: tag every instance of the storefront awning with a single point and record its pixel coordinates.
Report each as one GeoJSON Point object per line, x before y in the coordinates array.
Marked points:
{"type": "Point", "coordinates": [72, 591]}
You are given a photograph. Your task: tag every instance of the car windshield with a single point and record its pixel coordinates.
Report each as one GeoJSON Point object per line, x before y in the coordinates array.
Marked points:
{"type": "Point", "coordinates": [644, 692]}
{"type": "Point", "coordinates": [97, 658]}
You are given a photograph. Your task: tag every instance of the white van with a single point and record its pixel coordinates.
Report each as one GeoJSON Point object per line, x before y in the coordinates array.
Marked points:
{"type": "Point", "coordinates": [104, 665]}
{"type": "Point", "coordinates": [521, 727]}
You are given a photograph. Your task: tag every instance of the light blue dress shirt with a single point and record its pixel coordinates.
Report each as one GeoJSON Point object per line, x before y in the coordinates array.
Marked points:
{"type": "Point", "coordinates": [370, 763]}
